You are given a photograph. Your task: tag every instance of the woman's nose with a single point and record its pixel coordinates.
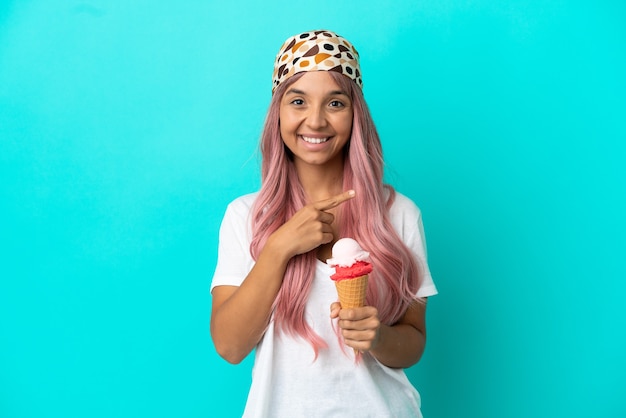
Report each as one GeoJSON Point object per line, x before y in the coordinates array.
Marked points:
{"type": "Point", "coordinates": [316, 118]}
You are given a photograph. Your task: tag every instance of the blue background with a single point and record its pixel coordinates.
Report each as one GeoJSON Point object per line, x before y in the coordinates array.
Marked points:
{"type": "Point", "coordinates": [126, 127]}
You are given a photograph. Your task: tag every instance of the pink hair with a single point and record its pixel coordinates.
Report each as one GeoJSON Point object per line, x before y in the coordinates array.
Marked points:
{"type": "Point", "coordinates": [396, 276]}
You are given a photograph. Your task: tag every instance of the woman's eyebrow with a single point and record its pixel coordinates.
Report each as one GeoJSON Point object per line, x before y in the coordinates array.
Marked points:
{"type": "Point", "coordinates": [332, 93]}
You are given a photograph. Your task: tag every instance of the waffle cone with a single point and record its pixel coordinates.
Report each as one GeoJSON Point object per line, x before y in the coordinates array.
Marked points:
{"type": "Point", "coordinates": [352, 292]}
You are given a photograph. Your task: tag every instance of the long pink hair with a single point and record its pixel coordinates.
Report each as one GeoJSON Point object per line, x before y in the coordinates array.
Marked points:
{"type": "Point", "coordinates": [396, 276]}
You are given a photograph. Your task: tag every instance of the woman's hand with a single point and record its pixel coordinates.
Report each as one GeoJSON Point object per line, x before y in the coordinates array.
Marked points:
{"type": "Point", "coordinates": [399, 345]}
{"type": "Point", "coordinates": [309, 227]}
{"type": "Point", "coordinates": [360, 327]}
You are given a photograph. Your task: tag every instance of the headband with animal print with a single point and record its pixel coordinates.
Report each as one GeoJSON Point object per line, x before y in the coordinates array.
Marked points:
{"type": "Point", "coordinates": [319, 50]}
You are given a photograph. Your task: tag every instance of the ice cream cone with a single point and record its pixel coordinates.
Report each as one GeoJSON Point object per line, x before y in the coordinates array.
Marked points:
{"type": "Point", "coordinates": [352, 294]}
{"type": "Point", "coordinates": [352, 291]}
{"type": "Point", "coordinates": [352, 267]}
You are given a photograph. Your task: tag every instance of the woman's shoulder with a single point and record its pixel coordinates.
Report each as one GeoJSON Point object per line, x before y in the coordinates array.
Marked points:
{"type": "Point", "coordinates": [403, 204]}
{"type": "Point", "coordinates": [242, 202]}
{"type": "Point", "coordinates": [242, 205]}
{"type": "Point", "coordinates": [406, 218]}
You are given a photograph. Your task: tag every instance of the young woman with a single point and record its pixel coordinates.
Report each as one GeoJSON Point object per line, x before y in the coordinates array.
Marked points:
{"type": "Point", "coordinates": [322, 179]}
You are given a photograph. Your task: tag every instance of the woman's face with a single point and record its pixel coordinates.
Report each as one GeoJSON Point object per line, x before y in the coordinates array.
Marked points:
{"type": "Point", "coordinates": [315, 119]}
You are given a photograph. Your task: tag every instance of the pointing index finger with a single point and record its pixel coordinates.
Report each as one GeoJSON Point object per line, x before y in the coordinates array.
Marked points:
{"type": "Point", "coordinates": [334, 201]}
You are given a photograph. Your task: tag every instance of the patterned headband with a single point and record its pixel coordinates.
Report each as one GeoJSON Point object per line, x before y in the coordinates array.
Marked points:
{"type": "Point", "coordinates": [319, 50]}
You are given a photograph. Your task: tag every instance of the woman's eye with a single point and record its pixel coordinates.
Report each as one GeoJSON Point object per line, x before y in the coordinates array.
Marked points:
{"type": "Point", "coordinates": [297, 102]}
{"type": "Point", "coordinates": [336, 103]}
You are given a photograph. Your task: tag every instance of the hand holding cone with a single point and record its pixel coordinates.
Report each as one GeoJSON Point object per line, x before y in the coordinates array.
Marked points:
{"type": "Point", "coordinates": [352, 270]}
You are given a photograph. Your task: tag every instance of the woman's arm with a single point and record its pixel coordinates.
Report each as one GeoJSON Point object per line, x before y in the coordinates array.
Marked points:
{"type": "Point", "coordinates": [240, 314]}
{"type": "Point", "coordinates": [400, 345]}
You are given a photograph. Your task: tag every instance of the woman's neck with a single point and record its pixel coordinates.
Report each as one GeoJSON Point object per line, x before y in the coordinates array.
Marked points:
{"type": "Point", "coordinates": [321, 182]}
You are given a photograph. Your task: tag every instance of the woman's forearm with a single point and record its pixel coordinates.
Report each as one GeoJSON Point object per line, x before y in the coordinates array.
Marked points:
{"type": "Point", "coordinates": [402, 344]}
{"type": "Point", "coordinates": [399, 346]}
{"type": "Point", "coordinates": [240, 314]}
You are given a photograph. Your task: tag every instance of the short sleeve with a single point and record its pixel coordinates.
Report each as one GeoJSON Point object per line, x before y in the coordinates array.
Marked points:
{"type": "Point", "coordinates": [406, 218]}
{"type": "Point", "coordinates": [234, 260]}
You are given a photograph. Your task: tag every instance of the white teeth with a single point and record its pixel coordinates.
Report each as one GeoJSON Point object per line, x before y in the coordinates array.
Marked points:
{"type": "Point", "coordinates": [314, 140]}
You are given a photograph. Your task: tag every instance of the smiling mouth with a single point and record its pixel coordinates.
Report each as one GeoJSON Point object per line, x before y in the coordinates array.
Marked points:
{"type": "Point", "coordinates": [314, 140]}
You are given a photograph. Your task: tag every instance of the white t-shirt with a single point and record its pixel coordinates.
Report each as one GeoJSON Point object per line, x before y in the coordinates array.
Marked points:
{"type": "Point", "coordinates": [286, 380]}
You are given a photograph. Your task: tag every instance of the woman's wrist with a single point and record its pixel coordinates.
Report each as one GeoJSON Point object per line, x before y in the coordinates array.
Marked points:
{"type": "Point", "coordinates": [276, 252]}
{"type": "Point", "coordinates": [398, 346]}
